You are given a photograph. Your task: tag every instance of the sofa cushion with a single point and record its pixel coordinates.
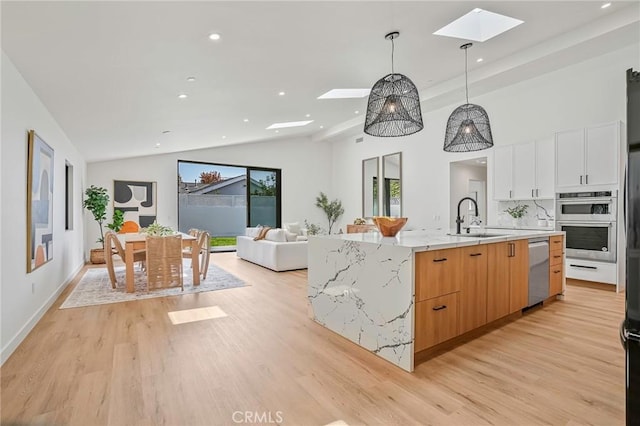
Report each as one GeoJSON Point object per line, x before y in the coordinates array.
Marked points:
{"type": "Point", "coordinates": [293, 227]}
{"type": "Point", "coordinates": [302, 238]}
{"type": "Point", "coordinates": [291, 237]}
{"type": "Point", "coordinates": [276, 235]}
{"type": "Point", "coordinates": [252, 232]}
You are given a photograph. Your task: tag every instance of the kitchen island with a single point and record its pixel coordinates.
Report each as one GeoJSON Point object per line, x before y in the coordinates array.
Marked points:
{"type": "Point", "coordinates": [400, 296]}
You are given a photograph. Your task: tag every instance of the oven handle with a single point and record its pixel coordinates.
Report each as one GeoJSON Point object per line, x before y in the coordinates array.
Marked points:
{"type": "Point", "coordinates": [585, 201]}
{"type": "Point", "coordinates": [595, 224]}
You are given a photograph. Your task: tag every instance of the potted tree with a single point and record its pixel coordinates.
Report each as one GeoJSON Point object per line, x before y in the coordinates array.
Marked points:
{"type": "Point", "coordinates": [332, 209]}
{"type": "Point", "coordinates": [96, 202]}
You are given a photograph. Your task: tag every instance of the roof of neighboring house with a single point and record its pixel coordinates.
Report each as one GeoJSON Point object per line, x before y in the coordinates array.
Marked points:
{"type": "Point", "coordinates": [220, 184]}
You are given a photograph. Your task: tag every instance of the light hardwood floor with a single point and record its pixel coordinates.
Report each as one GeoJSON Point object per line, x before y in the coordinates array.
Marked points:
{"type": "Point", "coordinates": [126, 364]}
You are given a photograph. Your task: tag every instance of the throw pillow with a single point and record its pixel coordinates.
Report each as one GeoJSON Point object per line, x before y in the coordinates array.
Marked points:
{"type": "Point", "coordinates": [293, 227]}
{"type": "Point", "coordinates": [302, 238]}
{"type": "Point", "coordinates": [276, 235]}
{"type": "Point", "coordinates": [262, 233]}
{"type": "Point", "coordinates": [291, 237]}
{"type": "Point", "coordinates": [252, 232]}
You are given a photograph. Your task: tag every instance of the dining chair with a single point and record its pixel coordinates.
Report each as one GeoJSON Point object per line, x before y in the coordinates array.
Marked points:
{"type": "Point", "coordinates": [113, 247]}
{"type": "Point", "coordinates": [164, 262]}
{"type": "Point", "coordinates": [204, 242]}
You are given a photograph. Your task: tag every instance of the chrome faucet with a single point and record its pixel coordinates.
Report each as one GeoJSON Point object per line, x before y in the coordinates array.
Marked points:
{"type": "Point", "coordinates": [459, 220]}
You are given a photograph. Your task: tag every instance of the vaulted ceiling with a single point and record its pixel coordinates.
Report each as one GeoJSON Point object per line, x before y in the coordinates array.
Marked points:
{"type": "Point", "coordinates": [111, 72]}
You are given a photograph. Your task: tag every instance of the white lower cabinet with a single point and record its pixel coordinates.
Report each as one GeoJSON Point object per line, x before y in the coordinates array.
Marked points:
{"type": "Point", "coordinates": [591, 270]}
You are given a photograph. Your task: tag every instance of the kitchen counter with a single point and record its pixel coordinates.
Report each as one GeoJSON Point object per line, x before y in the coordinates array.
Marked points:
{"type": "Point", "coordinates": [437, 240]}
{"type": "Point", "coordinates": [363, 286]}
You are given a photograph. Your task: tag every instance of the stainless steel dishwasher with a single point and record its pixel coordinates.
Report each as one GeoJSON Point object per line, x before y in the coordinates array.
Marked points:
{"type": "Point", "coordinates": [538, 270]}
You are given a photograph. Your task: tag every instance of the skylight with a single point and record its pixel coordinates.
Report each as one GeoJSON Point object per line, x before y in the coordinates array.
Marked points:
{"type": "Point", "coordinates": [289, 124]}
{"type": "Point", "coordinates": [345, 93]}
{"type": "Point", "coordinates": [479, 25]}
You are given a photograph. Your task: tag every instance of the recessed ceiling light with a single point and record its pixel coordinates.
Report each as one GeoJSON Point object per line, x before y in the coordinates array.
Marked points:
{"type": "Point", "coordinates": [281, 93]}
{"type": "Point", "coordinates": [246, 120]}
{"type": "Point", "coordinates": [322, 127]}
{"type": "Point", "coordinates": [214, 36]}
{"type": "Point", "coordinates": [191, 79]}
{"type": "Point", "coordinates": [357, 112]}
{"type": "Point", "coordinates": [289, 124]}
{"type": "Point", "coordinates": [157, 145]}
{"type": "Point", "coordinates": [224, 137]}
{"type": "Point", "coordinates": [277, 131]}
{"type": "Point", "coordinates": [606, 5]}
{"type": "Point", "coordinates": [307, 115]}
{"type": "Point", "coordinates": [478, 25]}
{"type": "Point", "coordinates": [479, 60]}
{"type": "Point", "coordinates": [345, 93]}
{"type": "Point", "coordinates": [182, 96]}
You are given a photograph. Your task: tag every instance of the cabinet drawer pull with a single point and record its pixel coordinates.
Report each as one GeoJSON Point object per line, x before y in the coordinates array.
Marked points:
{"type": "Point", "coordinates": [557, 256]}
{"type": "Point", "coordinates": [475, 254]}
{"type": "Point", "coordinates": [533, 191]}
{"type": "Point", "coordinates": [557, 241]}
{"type": "Point", "coordinates": [557, 272]}
{"type": "Point", "coordinates": [586, 179]}
{"type": "Point", "coordinates": [439, 308]}
{"type": "Point", "coordinates": [444, 259]}
{"type": "Point", "coordinates": [583, 266]}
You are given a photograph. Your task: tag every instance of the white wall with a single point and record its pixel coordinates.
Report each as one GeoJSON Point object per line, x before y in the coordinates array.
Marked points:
{"type": "Point", "coordinates": [304, 164]}
{"type": "Point", "coordinates": [583, 94]}
{"type": "Point", "coordinates": [25, 297]}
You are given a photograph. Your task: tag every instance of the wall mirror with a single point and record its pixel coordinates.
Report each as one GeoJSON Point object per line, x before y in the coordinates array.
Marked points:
{"type": "Point", "coordinates": [370, 206]}
{"type": "Point", "coordinates": [392, 184]}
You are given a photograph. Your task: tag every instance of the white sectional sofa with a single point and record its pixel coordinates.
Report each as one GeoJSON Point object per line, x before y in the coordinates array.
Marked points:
{"type": "Point", "coordinates": [273, 252]}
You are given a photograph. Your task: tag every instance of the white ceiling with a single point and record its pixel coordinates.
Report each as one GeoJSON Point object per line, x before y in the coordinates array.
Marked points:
{"type": "Point", "coordinates": [110, 72]}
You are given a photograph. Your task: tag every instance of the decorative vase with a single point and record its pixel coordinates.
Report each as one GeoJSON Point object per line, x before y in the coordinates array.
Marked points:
{"type": "Point", "coordinates": [97, 256]}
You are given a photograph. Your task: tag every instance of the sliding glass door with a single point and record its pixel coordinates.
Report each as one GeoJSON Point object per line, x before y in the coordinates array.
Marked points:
{"type": "Point", "coordinates": [263, 193]}
{"type": "Point", "coordinates": [224, 199]}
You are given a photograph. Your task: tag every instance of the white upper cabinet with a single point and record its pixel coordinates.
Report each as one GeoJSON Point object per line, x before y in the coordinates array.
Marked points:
{"type": "Point", "coordinates": [588, 158]}
{"type": "Point", "coordinates": [569, 158]}
{"type": "Point", "coordinates": [602, 155]}
{"type": "Point", "coordinates": [524, 171]}
{"type": "Point", "coordinates": [545, 167]}
{"type": "Point", "coordinates": [502, 173]}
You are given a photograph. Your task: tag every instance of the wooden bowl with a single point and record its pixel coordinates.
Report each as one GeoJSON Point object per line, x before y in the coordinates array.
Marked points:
{"type": "Point", "coordinates": [389, 226]}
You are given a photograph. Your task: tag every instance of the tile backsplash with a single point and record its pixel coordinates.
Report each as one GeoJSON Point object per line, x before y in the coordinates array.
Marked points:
{"type": "Point", "coordinates": [538, 210]}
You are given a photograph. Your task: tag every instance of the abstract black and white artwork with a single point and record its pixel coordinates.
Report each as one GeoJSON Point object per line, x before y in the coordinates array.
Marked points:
{"type": "Point", "coordinates": [137, 200]}
{"type": "Point", "coordinates": [39, 203]}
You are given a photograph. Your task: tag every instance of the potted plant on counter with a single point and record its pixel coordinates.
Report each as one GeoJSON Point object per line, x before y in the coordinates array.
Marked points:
{"type": "Point", "coordinates": [517, 213]}
{"type": "Point", "coordinates": [96, 202]}
{"type": "Point", "coordinates": [332, 209]}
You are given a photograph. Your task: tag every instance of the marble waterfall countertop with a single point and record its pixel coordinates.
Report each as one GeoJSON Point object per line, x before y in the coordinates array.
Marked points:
{"type": "Point", "coordinates": [362, 286]}
{"type": "Point", "coordinates": [425, 240]}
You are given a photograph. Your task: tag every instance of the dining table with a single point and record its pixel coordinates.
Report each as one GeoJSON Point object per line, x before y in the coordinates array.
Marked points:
{"type": "Point", "coordinates": [133, 242]}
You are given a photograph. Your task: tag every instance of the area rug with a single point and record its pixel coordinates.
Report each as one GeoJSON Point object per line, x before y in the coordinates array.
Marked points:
{"type": "Point", "coordinates": [95, 288]}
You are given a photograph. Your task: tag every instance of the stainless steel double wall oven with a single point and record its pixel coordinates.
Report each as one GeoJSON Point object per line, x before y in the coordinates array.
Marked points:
{"type": "Point", "coordinates": [589, 220]}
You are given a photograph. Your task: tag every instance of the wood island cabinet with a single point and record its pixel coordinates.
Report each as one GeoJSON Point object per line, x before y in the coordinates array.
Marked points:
{"type": "Point", "coordinates": [439, 317]}
{"type": "Point", "coordinates": [556, 264]}
{"type": "Point", "coordinates": [518, 258]}
{"type": "Point", "coordinates": [438, 272]}
{"type": "Point", "coordinates": [473, 293]}
{"type": "Point", "coordinates": [498, 281]}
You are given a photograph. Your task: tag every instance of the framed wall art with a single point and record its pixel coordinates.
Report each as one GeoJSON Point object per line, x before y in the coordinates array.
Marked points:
{"type": "Point", "coordinates": [39, 202]}
{"type": "Point", "coordinates": [137, 200]}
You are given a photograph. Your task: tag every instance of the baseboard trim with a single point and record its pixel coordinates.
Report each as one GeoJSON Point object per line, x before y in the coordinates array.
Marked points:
{"type": "Point", "coordinates": [24, 331]}
{"type": "Point", "coordinates": [591, 284]}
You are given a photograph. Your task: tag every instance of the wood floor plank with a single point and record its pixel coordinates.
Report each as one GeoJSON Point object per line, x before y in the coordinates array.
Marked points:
{"type": "Point", "coordinates": [127, 364]}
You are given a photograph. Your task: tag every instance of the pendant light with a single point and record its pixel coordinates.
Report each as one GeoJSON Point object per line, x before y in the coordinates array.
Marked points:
{"type": "Point", "coordinates": [393, 108]}
{"type": "Point", "coordinates": [468, 127]}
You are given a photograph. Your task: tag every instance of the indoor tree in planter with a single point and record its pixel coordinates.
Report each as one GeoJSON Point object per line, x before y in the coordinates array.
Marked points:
{"type": "Point", "coordinates": [96, 201]}
{"type": "Point", "coordinates": [332, 209]}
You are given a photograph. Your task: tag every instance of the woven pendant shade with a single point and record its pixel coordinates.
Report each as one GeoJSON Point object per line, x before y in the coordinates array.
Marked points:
{"type": "Point", "coordinates": [468, 127]}
{"type": "Point", "coordinates": [468, 130]}
{"type": "Point", "coordinates": [393, 108]}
